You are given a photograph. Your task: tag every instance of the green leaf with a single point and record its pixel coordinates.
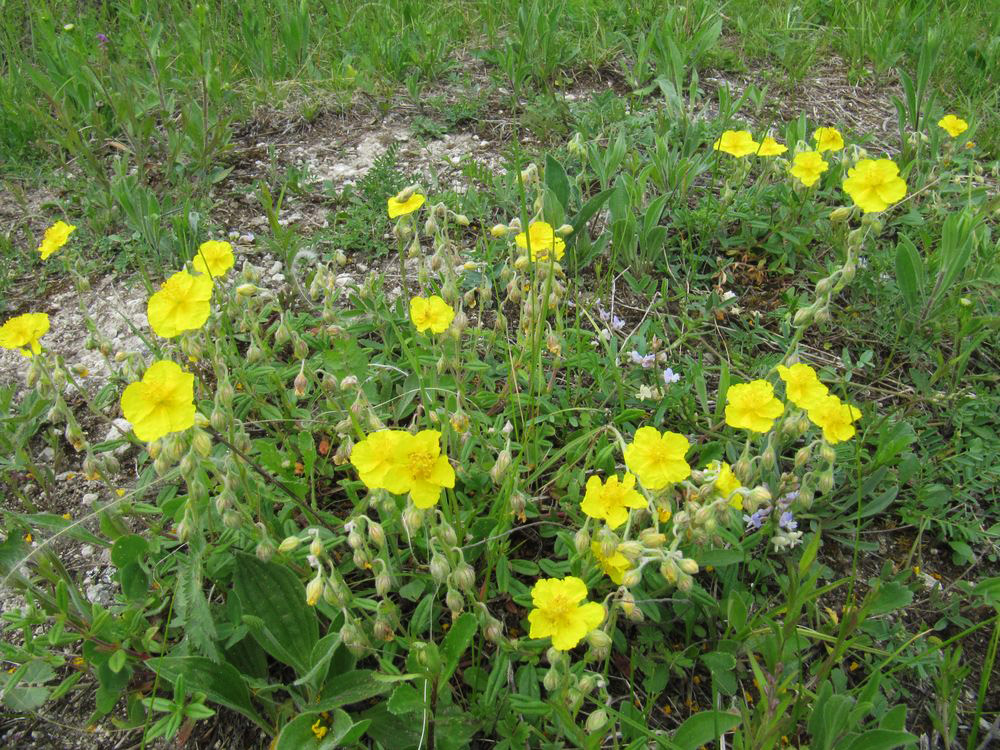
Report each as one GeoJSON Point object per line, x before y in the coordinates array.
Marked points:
{"type": "Point", "coordinates": [274, 594]}
{"type": "Point", "coordinates": [809, 555]}
{"type": "Point", "coordinates": [910, 273]}
{"type": "Point", "coordinates": [128, 549]}
{"type": "Point", "coordinates": [890, 597]}
{"type": "Point", "coordinates": [298, 733]}
{"type": "Point", "coordinates": [117, 660]}
{"type": "Point", "coordinates": [590, 208]}
{"type": "Point", "coordinates": [352, 687]}
{"type": "Point", "coordinates": [557, 181]}
{"type": "Point", "coordinates": [882, 739]}
{"type": "Point", "coordinates": [702, 728]}
{"type": "Point", "coordinates": [221, 683]}
{"type": "Point", "coordinates": [406, 699]}
{"type": "Point", "coordinates": [720, 558]}
{"type": "Point", "coordinates": [463, 630]}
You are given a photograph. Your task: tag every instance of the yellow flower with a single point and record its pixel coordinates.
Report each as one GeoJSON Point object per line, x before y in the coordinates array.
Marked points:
{"type": "Point", "coordinates": [181, 304]}
{"type": "Point", "coordinates": [736, 143]}
{"type": "Point", "coordinates": [401, 208]}
{"type": "Point", "coordinates": [161, 403]}
{"type": "Point", "coordinates": [874, 184]}
{"type": "Point", "coordinates": [559, 613]}
{"type": "Point", "coordinates": [807, 167]}
{"type": "Point", "coordinates": [373, 456]}
{"type": "Point", "coordinates": [542, 238]}
{"type": "Point", "coordinates": [23, 332]}
{"type": "Point", "coordinates": [610, 501]}
{"type": "Point", "coordinates": [55, 237]}
{"type": "Point", "coordinates": [835, 418]}
{"type": "Point", "coordinates": [657, 460]}
{"type": "Point", "coordinates": [214, 258]}
{"type": "Point", "coordinates": [954, 125]}
{"type": "Point", "coordinates": [614, 567]}
{"type": "Point", "coordinates": [770, 147]}
{"type": "Point", "coordinates": [802, 385]}
{"type": "Point", "coordinates": [726, 483]}
{"type": "Point", "coordinates": [752, 406]}
{"type": "Point", "coordinates": [431, 313]}
{"type": "Point", "coordinates": [318, 729]}
{"type": "Point", "coordinates": [828, 139]}
{"type": "Point", "coordinates": [417, 466]}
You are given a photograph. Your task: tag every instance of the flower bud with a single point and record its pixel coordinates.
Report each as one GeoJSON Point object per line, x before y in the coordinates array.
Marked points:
{"type": "Point", "coordinates": [632, 550]}
{"type": "Point", "coordinates": [684, 583]}
{"type": "Point", "coordinates": [803, 316]}
{"type": "Point", "coordinates": [500, 467]}
{"type": "Point", "coordinates": [376, 533]}
{"type": "Point", "coordinates": [826, 453]}
{"type": "Point", "coordinates": [455, 601]}
{"type": "Point", "coordinates": [316, 547]}
{"type": "Point", "coordinates": [498, 230]}
{"type": "Point", "coordinates": [742, 469]}
{"type": "Point", "coordinates": [383, 583]}
{"type": "Point", "coordinates": [439, 567]}
{"type": "Point", "coordinates": [581, 542]}
{"type": "Point", "coordinates": [760, 495]}
{"type": "Point", "coordinates": [768, 458]}
{"type": "Point", "coordinates": [596, 721]}
{"type": "Point", "coordinates": [823, 316]}
{"type": "Point", "coordinates": [802, 456]}
{"type": "Point", "coordinates": [825, 483]}
{"type": "Point", "coordinates": [840, 215]}
{"type": "Point", "coordinates": [669, 570]}
{"type": "Point", "coordinates": [564, 230]}
{"type": "Point", "coordinates": [300, 383]}
{"type": "Point", "coordinates": [314, 590]}
{"type": "Point", "coordinates": [446, 533]}
{"type": "Point", "coordinates": [413, 519]}
{"type": "Point", "coordinates": [689, 566]}
{"type": "Point", "coordinates": [383, 630]}
{"type": "Point", "coordinates": [551, 679]}
{"type": "Point", "coordinates": [464, 576]}
{"type": "Point", "coordinates": [201, 443]}
{"type": "Point", "coordinates": [631, 577]}
{"type": "Point", "coordinates": [493, 631]}
{"type": "Point", "coordinates": [649, 537]}
{"type": "Point", "coordinates": [289, 544]}
{"type": "Point", "coordinates": [232, 520]}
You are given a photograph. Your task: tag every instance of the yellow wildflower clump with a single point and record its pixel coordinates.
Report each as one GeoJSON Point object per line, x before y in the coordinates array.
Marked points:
{"type": "Point", "coordinates": [214, 258]}
{"type": "Point", "coordinates": [954, 126]}
{"type": "Point", "coordinates": [609, 501]}
{"type": "Point", "coordinates": [752, 406]}
{"type": "Point", "coordinates": [802, 385]}
{"type": "Point", "coordinates": [560, 612]}
{"type": "Point", "coordinates": [657, 460]}
{"type": "Point", "coordinates": [431, 314]}
{"type": "Point", "coordinates": [402, 208]}
{"type": "Point", "coordinates": [541, 238]}
{"type": "Point", "coordinates": [161, 403]}
{"type": "Point", "coordinates": [835, 418]}
{"type": "Point", "coordinates": [23, 333]}
{"type": "Point", "coordinates": [181, 304]}
{"type": "Point", "coordinates": [614, 565]}
{"type": "Point", "coordinates": [737, 143]}
{"type": "Point", "coordinates": [807, 167]}
{"type": "Point", "coordinates": [402, 463]}
{"type": "Point", "coordinates": [55, 237]}
{"type": "Point", "coordinates": [770, 147]}
{"type": "Point", "coordinates": [828, 139]}
{"type": "Point", "coordinates": [874, 184]}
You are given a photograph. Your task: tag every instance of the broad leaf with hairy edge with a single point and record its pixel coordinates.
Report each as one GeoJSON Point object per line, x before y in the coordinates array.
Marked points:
{"type": "Point", "coordinates": [283, 624]}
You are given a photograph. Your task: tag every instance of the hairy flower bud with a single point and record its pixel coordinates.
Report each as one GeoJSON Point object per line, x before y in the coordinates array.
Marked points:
{"type": "Point", "coordinates": [689, 566]}
{"type": "Point", "coordinates": [464, 577]}
{"type": "Point", "coordinates": [804, 316]}
{"type": "Point", "coordinates": [439, 567]}
{"type": "Point", "coordinates": [551, 680]}
{"type": "Point", "coordinates": [289, 544]}
{"type": "Point", "coordinates": [826, 453]}
{"type": "Point", "coordinates": [455, 601]}
{"type": "Point", "coordinates": [446, 533]}
{"type": "Point", "coordinates": [376, 533]}
{"type": "Point", "coordinates": [631, 577]}
{"type": "Point", "coordinates": [596, 721]}
{"type": "Point", "coordinates": [581, 542]}
{"type": "Point", "coordinates": [499, 470]}
{"type": "Point", "coordinates": [413, 519]}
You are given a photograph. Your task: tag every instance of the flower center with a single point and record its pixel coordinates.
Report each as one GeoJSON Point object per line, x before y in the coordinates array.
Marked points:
{"type": "Point", "coordinates": [559, 609]}
{"type": "Point", "coordinates": [422, 464]}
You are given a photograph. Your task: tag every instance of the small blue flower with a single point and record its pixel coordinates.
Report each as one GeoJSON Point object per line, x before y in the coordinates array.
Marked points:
{"type": "Point", "coordinates": [787, 521]}
{"type": "Point", "coordinates": [669, 376]}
